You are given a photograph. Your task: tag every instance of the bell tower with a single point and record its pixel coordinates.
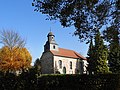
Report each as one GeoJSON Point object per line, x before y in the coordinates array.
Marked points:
{"type": "Point", "coordinates": [51, 44]}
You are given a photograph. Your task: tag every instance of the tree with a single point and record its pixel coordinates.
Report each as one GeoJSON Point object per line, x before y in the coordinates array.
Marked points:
{"type": "Point", "coordinates": [113, 32]}
{"type": "Point", "coordinates": [84, 15]}
{"type": "Point", "coordinates": [112, 35]}
{"type": "Point", "coordinates": [13, 55]}
{"type": "Point", "coordinates": [11, 39]}
{"type": "Point", "coordinates": [17, 59]}
{"type": "Point", "coordinates": [37, 66]}
{"type": "Point", "coordinates": [91, 61]}
{"type": "Point", "coordinates": [114, 52]}
{"type": "Point", "coordinates": [100, 55]}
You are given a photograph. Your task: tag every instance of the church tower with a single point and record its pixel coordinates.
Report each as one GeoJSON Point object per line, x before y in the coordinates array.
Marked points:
{"type": "Point", "coordinates": [51, 44]}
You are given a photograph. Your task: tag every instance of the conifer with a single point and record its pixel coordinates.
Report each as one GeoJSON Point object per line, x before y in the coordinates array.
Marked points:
{"type": "Point", "coordinates": [114, 53]}
{"type": "Point", "coordinates": [90, 57]}
{"type": "Point", "coordinates": [100, 56]}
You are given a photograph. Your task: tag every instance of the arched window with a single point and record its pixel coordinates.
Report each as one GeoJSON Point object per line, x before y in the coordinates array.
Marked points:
{"type": "Point", "coordinates": [70, 65]}
{"type": "Point", "coordinates": [60, 64]}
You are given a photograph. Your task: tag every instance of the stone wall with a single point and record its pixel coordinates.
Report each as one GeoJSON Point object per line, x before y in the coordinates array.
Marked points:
{"type": "Point", "coordinates": [47, 63]}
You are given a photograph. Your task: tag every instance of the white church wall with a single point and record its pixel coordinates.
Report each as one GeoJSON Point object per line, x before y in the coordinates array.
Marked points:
{"type": "Point", "coordinates": [85, 65]}
{"type": "Point", "coordinates": [54, 47]}
{"type": "Point", "coordinates": [65, 63]}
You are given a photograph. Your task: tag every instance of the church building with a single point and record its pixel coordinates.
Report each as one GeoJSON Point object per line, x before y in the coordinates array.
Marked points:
{"type": "Point", "coordinates": [56, 60]}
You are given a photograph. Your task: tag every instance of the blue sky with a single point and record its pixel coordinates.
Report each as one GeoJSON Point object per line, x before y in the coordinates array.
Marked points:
{"type": "Point", "coordinates": [19, 16]}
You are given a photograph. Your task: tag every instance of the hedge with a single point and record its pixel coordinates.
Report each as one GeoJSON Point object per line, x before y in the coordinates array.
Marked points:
{"type": "Point", "coordinates": [30, 81]}
{"type": "Point", "coordinates": [80, 82]}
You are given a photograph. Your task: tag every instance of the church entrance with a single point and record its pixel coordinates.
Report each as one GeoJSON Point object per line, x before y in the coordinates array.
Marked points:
{"type": "Point", "coordinates": [64, 70]}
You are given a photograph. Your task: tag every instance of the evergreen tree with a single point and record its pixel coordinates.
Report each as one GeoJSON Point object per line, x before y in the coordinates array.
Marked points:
{"type": "Point", "coordinates": [90, 57]}
{"type": "Point", "coordinates": [100, 56]}
{"type": "Point", "coordinates": [37, 66]}
{"type": "Point", "coordinates": [114, 53]}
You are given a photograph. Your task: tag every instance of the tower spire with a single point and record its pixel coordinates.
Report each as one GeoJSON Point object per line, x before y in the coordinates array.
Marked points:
{"type": "Point", "coordinates": [51, 43]}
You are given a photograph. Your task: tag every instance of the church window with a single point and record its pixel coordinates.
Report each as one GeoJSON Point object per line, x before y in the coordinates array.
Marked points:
{"type": "Point", "coordinates": [70, 65]}
{"type": "Point", "coordinates": [53, 47]}
{"type": "Point", "coordinates": [60, 64]}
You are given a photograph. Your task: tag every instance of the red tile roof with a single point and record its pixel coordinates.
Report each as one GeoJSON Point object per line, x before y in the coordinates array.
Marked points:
{"type": "Point", "coordinates": [67, 53]}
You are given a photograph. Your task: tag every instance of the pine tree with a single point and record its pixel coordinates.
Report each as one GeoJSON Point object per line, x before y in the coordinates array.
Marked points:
{"type": "Point", "coordinates": [90, 57]}
{"type": "Point", "coordinates": [114, 53]}
{"type": "Point", "coordinates": [100, 56]}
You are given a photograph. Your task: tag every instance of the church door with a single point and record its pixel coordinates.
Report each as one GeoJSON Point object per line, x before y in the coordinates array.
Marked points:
{"type": "Point", "coordinates": [64, 70]}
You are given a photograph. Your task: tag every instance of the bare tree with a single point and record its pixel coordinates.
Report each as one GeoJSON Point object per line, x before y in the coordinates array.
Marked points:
{"type": "Point", "coordinates": [11, 39]}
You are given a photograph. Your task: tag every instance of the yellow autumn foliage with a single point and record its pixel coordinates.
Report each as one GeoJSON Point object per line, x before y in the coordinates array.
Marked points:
{"type": "Point", "coordinates": [14, 59]}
